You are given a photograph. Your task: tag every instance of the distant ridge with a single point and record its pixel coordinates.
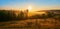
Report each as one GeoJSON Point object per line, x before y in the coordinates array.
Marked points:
{"type": "Point", "coordinates": [56, 11]}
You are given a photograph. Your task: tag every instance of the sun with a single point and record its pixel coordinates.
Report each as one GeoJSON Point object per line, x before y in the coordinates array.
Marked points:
{"type": "Point", "coordinates": [29, 8]}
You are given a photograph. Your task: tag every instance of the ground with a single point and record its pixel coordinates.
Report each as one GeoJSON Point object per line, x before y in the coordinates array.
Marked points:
{"type": "Point", "coordinates": [31, 24]}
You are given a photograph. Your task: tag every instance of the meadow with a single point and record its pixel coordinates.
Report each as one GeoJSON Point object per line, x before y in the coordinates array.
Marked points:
{"type": "Point", "coordinates": [9, 19]}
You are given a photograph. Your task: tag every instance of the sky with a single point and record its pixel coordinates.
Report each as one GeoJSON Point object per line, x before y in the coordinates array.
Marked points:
{"type": "Point", "coordinates": [35, 4]}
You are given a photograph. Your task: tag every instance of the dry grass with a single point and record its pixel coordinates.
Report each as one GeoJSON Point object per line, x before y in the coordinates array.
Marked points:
{"type": "Point", "coordinates": [31, 24]}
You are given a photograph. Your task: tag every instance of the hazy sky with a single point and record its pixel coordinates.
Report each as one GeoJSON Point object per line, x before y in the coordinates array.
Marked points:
{"type": "Point", "coordinates": [35, 4]}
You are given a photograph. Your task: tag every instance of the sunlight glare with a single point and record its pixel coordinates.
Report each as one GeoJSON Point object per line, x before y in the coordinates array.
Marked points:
{"type": "Point", "coordinates": [29, 8]}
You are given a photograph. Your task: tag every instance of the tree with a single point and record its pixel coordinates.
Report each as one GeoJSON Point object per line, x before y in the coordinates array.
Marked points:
{"type": "Point", "coordinates": [44, 16]}
{"type": "Point", "coordinates": [3, 15]}
{"type": "Point", "coordinates": [50, 14]}
{"type": "Point", "coordinates": [20, 16]}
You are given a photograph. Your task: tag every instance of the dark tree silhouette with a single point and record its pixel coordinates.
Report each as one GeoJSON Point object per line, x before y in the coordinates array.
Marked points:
{"type": "Point", "coordinates": [20, 16]}
{"type": "Point", "coordinates": [44, 16]}
{"type": "Point", "coordinates": [50, 14]}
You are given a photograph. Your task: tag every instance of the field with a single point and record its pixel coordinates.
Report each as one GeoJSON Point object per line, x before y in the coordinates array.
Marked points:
{"type": "Point", "coordinates": [49, 23]}
{"type": "Point", "coordinates": [10, 19]}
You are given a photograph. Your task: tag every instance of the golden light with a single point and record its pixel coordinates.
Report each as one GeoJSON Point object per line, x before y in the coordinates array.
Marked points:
{"type": "Point", "coordinates": [29, 8]}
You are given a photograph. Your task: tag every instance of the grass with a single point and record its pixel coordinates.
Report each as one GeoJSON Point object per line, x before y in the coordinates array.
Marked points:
{"type": "Point", "coordinates": [50, 23]}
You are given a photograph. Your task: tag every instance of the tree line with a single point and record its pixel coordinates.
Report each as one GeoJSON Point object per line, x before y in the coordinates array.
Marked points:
{"type": "Point", "coordinates": [8, 15]}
